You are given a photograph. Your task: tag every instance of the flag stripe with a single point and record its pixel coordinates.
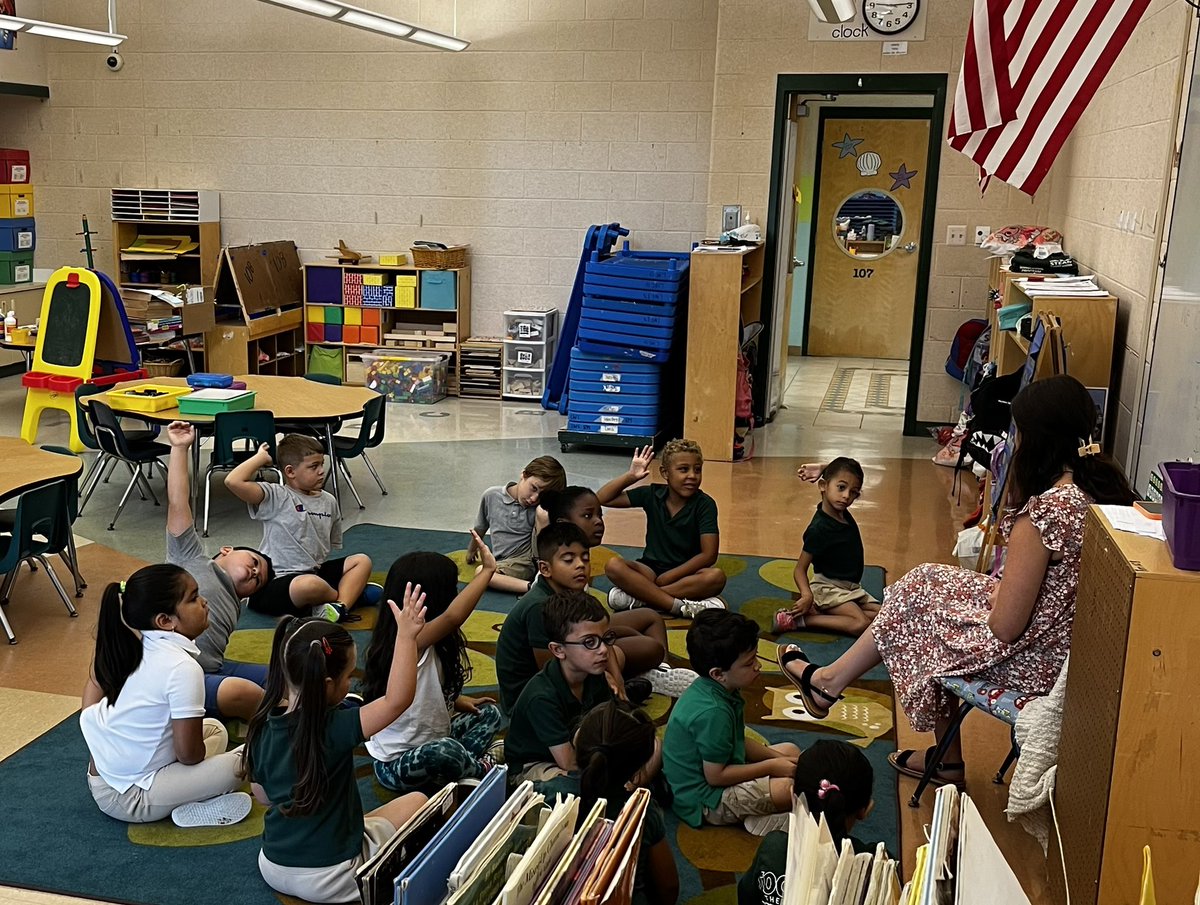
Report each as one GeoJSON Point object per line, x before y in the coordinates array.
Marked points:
{"type": "Point", "coordinates": [1030, 68]}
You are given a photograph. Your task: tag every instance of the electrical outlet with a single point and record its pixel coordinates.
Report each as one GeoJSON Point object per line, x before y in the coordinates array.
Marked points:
{"type": "Point", "coordinates": [731, 217]}
{"type": "Point", "coordinates": [956, 235]}
{"type": "Point", "coordinates": [981, 233]}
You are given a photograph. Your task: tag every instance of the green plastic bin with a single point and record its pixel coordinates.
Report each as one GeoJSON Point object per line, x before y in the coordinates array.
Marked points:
{"type": "Point", "coordinates": [212, 402]}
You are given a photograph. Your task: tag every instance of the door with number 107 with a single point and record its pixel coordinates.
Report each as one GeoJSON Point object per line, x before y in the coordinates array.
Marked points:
{"type": "Point", "coordinates": [871, 189]}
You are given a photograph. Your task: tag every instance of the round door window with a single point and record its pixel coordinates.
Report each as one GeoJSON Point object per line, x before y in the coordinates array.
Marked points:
{"type": "Point", "coordinates": [868, 224]}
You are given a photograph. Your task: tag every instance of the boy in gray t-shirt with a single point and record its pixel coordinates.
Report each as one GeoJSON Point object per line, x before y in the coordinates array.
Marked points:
{"type": "Point", "coordinates": [230, 689]}
{"type": "Point", "coordinates": [508, 512]}
{"type": "Point", "coordinates": [301, 523]}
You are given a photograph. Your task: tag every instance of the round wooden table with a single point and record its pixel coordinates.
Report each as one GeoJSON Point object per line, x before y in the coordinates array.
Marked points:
{"type": "Point", "coordinates": [26, 467]}
{"type": "Point", "coordinates": [291, 399]}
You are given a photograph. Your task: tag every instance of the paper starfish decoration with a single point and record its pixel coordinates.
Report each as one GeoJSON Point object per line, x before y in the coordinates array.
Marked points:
{"type": "Point", "coordinates": [848, 147]}
{"type": "Point", "coordinates": [902, 177]}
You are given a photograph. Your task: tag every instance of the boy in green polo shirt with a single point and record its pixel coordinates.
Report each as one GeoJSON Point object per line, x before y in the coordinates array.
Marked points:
{"type": "Point", "coordinates": [538, 746]}
{"type": "Point", "coordinates": [676, 574]}
{"type": "Point", "coordinates": [717, 775]}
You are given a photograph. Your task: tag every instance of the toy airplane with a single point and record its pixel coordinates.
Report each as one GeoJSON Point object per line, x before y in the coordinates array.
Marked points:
{"type": "Point", "coordinates": [348, 256]}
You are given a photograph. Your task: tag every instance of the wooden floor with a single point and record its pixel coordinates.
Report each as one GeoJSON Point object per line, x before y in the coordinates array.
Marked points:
{"type": "Point", "coordinates": [907, 516]}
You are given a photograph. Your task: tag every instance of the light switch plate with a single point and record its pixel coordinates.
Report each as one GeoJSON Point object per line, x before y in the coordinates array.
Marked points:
{"type": "Point", "coordinates": [956, 235]}
{"type": "Point", "coordinates": [731, 217]}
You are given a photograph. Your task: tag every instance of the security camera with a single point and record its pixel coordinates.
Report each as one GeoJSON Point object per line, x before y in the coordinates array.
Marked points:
{"type": "Point", "coordinates": [114, 61]}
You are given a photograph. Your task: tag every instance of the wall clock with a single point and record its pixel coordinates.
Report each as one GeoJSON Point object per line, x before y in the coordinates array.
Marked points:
{"type": "Point", "coordinates": [890, 17]}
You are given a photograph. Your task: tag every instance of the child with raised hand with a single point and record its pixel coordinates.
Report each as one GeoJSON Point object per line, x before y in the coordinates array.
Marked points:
{"type": "Point", "coordinates": [152, 751]}
{"type": "Point", "coordinates": [302, 522]}
{"type": "Point", "coordinates": [225, 580]}
{"type": "Point", "coordinates": [508, 512]}
{"type": "Point", "coordinates": [836, 780]}
{"type": "Point", "coordinates": [717, 775]}
{"type": "Point", "coordinates": [612, 745]}
{"type": "Point", "coordinates": [640, 631]}
{"type": "Point", "coordinates": [444, 736]}
{"type": "Point", "coordinates": [299, 756]}
{"type": "Point", "coordinates": [676, 574]}
{"type": "Point", "coordinates": [833, 599]}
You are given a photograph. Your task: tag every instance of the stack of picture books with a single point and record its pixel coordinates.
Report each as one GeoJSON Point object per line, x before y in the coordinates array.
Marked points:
{"type": "Point", "coordinates": [470, 845]}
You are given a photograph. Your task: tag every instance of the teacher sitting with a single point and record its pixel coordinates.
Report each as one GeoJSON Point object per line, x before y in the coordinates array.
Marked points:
{"type": "Point", "coordinates": [1014, 631]}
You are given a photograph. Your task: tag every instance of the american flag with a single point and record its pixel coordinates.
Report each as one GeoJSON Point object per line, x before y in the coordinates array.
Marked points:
{"type": "Point", "coordinates": [1029, 70]}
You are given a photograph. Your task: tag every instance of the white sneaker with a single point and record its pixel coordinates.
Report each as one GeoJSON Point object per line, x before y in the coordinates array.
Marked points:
{"type": "Point", "coordinates": [220, 811]}
{"type": "Point", "coordinates": [619, 601]}
{"type": "Point", "coordinates": [671, 682]}
{"type": "Point", "coordinates": [689, 608]}
{"type": "Point", "coordinates": [769, 823]}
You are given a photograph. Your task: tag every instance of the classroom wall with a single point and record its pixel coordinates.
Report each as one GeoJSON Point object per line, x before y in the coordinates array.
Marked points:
{"type": "Point", "coordinates": [1118, 159]}
{"type": "Point", "coordinates": [564, 113]}
{"type": "Point", "coordinates": [759, 39]}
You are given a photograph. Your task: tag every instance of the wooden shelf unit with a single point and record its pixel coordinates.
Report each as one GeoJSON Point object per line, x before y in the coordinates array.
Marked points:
{"type": "Point", "coordinates": [170, 212]}
{"type": "Point", "coordinates": [725, 292]}
{"type": "Point", "coordinates": [420, 318]}
{"type": "Point", "coordinates": [1128, 725]}
{"type": "Point", "coordinates": [232, 348]}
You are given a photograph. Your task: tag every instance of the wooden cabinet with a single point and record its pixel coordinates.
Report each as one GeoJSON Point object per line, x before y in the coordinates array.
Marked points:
{"type": "Point", "coordinates": [405, 311]}
{"type": "Point", "coordinates": [1127, 758]}
{"type": "Point", "coordinates": [725, 292]}
{"type": "Point", "coordinates": [271, 344]}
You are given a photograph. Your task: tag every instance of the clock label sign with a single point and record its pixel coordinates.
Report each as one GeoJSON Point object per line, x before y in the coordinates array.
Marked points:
{"type": "Point", "coordinates": [875, 21]}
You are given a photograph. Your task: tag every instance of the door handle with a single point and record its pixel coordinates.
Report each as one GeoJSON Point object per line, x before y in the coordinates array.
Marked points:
{"type": "Point", "coordinates": [910, 247]}
{"type": "Point", "coordinates": [796, 262]}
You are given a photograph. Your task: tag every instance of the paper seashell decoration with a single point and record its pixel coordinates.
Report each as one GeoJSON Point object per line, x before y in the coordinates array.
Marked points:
{"type": "Point", "coordinates": [869, 164]}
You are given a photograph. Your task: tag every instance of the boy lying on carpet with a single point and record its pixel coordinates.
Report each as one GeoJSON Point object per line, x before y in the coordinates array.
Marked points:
{"type": "Point", "coordinates": [230, 689]}
{"type": "Point", "coordinates": [302, 522]}
{"type": "Point", "coordinates": [717, 775]}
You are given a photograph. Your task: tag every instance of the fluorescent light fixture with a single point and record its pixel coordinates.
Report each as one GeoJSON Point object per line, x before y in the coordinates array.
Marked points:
{"type": "Point", "coordinates": [834, 11]}
{"type": "Point", "coordinates": [371, 21]}
{"type": "Point", "coordinates": [65, 32]}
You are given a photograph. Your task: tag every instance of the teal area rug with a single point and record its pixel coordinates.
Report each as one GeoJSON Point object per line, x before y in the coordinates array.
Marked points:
{"type": "Point", "coordinates": [46, 797]}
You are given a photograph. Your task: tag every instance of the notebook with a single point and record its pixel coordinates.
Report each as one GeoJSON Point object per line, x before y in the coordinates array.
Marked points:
{"type": "Point", "coordinates": [376, 877]}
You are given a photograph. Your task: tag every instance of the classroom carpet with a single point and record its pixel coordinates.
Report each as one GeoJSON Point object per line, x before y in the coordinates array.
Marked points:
{"type": "Point", "coordinates": [161, 864]}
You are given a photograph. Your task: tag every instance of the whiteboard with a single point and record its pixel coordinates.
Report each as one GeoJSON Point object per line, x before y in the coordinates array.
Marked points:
{"type": "Point", "coordinates": [1171, 428]}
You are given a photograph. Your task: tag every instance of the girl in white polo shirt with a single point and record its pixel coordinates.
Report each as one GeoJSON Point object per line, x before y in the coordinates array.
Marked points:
{"type": "Point", "coordinates": [153, 753]}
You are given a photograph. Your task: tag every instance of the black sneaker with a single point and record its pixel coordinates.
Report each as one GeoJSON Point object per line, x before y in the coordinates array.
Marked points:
{"type": "Point", "coordinates": [638, 690]}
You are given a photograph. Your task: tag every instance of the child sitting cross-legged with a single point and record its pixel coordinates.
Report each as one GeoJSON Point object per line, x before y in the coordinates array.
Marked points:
{"type": "Point", "coordinates": [676, 574]}
{"type": "Point", "coordinates": [539, 746]}
{"type": "Point", "coordinates": [836, 780]}
{"type": "Point", "coordinates": [152, 751]}
{"type": "Point", "coordinates": [299, 756]}
{"type": "Point", "coordinates": [834, 598]}
{"type": "Point", "coordinates": [612, 745]}
{"type": "Point", "coordinates": [717, 775]}
{"type": "Point", "coordinates": [508, 512]}
{"type": "Point", "coordinates": [301, 522]}
{"type": "Point", "coordinates": [427, 746]}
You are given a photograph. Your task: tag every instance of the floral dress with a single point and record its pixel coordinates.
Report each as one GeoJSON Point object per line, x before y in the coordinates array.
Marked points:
{"type": "Point", "coordinates": [934, 620]}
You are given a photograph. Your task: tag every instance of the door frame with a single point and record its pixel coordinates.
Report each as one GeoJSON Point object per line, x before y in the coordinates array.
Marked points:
{"type": "Point", "coordinates": [787, 87]}
{"type": "Point", "coordinates": [824, 113]}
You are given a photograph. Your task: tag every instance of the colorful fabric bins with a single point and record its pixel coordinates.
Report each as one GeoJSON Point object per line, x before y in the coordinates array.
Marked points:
{"type": "Point", "coordinates": [439, 289]}
{"type": "Point", "coordinates": [418, 377]}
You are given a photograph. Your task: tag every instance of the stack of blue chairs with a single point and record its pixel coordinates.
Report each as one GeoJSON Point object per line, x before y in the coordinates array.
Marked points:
{"type": "Point", "coordinates": [626, 330]}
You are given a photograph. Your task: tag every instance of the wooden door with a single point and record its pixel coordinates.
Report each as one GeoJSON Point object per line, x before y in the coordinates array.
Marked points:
{"type": "Point", "coordinates": [868, 223]}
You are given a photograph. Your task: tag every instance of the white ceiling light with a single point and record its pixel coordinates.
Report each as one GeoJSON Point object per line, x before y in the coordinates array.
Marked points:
{"type": "Point", "coordinates": [371, 21]}
{"type": "Point", "coordinates": [56, 30]}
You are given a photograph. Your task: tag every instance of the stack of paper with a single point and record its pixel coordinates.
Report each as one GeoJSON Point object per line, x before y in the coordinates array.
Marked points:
{"type": "Point", "coordinates": [1061, 285]}
{"type": "Point", "coordinates": [1127, 518]}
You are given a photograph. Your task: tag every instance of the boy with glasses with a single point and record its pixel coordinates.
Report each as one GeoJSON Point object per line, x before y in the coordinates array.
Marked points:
{"type": "Point", "coordinates": [539, 742]}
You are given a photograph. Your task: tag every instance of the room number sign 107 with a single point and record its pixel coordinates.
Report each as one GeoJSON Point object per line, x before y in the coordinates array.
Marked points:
{"type": "Point", "coordinates": [863, 273]}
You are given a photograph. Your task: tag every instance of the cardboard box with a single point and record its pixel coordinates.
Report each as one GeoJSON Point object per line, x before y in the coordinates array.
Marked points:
{"type": "Point", "coordinates": [393, 259]}
{"type": "Point", "coordinates": [406, 279]}
{"type": "Point", "coordinates": [18, 235]}
{"type": "Point", "coordinates": [406, 297]}
{"type": "Point", "coordinates": [16, 267]}
{"type": "Point", "coordinates": [351, 334]}
{"type": "Point", "coordinates": [369, 335]}
{"type": "Point", "coordinates": [14, 166]}
{"type": "Point", "coordinates": [16, 201]}
{"type": "Point", "coordinates": [373, 279]}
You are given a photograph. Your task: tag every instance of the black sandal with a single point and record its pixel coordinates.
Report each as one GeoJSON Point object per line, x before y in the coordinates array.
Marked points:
{"type": "Point", "coordinates": [790, 653]}
{"type": "Point", "coordinates": [899, 761]}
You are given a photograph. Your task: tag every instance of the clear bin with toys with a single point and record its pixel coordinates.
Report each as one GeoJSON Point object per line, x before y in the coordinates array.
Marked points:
{"type": "Point", "coordinates": [407, 376]}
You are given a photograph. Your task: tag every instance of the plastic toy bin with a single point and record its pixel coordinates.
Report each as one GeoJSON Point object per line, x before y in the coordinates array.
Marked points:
{"type": "Point", "coordinates": [404, 376]}
{"type": "Point", "coordinates": [1181, 513]}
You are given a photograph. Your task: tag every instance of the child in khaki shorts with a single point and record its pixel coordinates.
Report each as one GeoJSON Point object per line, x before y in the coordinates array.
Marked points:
{"type": "Point", "coordinates": [716, 774]}
{"type": "Point", "coordinates": [508, 512]}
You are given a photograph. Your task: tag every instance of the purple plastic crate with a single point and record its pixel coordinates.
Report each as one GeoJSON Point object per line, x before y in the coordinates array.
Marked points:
{"type": "Point", "coordinates": [1181, 512]}
{"type": "Point", "coordinates": [323, 284]}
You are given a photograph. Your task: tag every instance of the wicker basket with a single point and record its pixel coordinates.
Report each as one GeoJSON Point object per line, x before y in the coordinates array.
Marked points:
{"type": "Point", "coordinates": [168, 368]}
{"type": "Point", "coordinates": [440, 259]}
